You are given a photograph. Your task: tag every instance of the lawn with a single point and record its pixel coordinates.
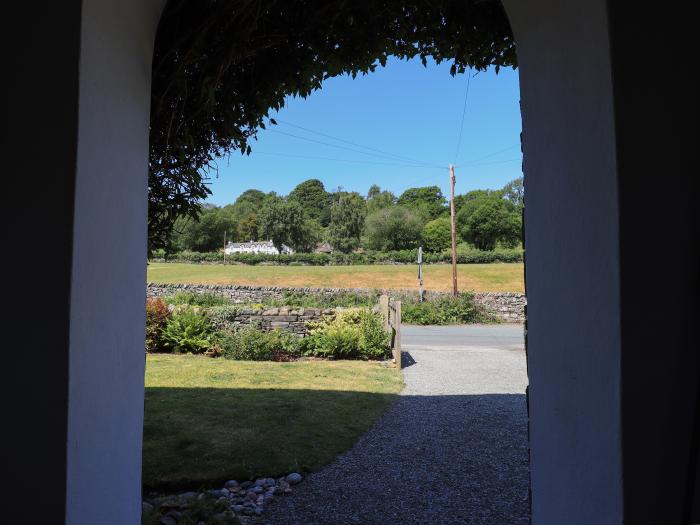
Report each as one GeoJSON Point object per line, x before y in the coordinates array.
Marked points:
{"type": "Point", "coordinates": [497, 277]}
{"type": "Point", "coordinates": [209, 420]}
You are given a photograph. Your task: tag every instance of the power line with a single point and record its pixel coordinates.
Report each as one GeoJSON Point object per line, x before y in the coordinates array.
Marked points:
{"type": "Point", "coordinates": [474, 164]}
{"type": "Point", "coordinates": [385, 153]}
{"type": "Point", "coordinates": [339, 147]}
{"type": "Point", "coordinates": [464, 111]}
{"type": "Point", "coordinates": [493, 162]}
{"type": "Point", "coordinates": [423, 179]}
{"type": "Point", "coordinates": [340, 160]}
{"type": "Point", "coordinates": [494, 153]}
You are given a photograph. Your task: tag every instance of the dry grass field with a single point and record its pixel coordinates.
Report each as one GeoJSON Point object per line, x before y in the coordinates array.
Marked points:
{"type": "Point", "coordinates": [496, 277]}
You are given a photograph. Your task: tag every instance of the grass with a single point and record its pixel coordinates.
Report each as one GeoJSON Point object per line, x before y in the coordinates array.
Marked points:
{"type": "Point", "coordinates": [496, 277]}
{"type": "Point", "coordinates": [208, 420]}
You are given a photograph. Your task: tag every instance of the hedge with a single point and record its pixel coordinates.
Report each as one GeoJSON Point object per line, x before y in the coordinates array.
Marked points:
{"type": "Point", "coordinates": [343, 259]}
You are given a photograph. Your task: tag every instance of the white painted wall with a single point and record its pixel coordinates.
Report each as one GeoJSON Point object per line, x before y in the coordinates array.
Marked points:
{"type": "Point", "coordinates": [572, 259]}
{"type": "Point", "coordinates": [106, 363]}
{"type": "Point", "coordinates": [572, 246]}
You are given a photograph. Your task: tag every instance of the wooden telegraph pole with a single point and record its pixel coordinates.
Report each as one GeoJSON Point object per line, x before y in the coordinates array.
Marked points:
{"type": "Point", "coordinates": [454, 230]}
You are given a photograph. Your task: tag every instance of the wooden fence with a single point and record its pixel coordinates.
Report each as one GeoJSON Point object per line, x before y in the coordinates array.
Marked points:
{"type": "Point", "coordinates": [390, 310]}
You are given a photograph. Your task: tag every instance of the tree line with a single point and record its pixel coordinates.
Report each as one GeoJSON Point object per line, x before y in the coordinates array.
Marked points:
{"type": "Point", "coordinates": [348, 221]}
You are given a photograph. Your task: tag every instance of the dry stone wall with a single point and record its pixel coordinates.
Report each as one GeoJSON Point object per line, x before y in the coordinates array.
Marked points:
{"type": "Point", "coordinates": [508, 306]}
{"type": "Point", "coordinates": [284, 318]}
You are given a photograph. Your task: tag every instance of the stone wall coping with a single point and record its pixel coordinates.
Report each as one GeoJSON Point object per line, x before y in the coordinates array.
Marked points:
{"type": "Point", "coordinates": [254, 288]}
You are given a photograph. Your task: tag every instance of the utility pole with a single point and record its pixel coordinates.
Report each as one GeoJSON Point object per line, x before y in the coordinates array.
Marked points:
{"type": "Point", "coordinates": [454, 230]}
{"type": "Point", "coordinates": [224, 247]}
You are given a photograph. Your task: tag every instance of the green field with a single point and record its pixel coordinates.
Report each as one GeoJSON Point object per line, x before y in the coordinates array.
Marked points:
{"type": "Point", "coordinates": [208, 420]}
{"type": "Point", "coordinates": [497, 277]}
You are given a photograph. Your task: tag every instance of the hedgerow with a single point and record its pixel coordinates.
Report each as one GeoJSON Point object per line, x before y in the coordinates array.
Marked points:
{"type": "Point", "coordinates": [341, 259]}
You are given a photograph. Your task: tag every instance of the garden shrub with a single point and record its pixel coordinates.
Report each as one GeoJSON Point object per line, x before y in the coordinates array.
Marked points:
{"type": "Point", "coordinates": [340, 298]}
{"type": "Point", "coordinates": [189, 331]}
{"type": "Point", "coordinates": [350, 334]}
{"type": "Point", "coordinates": [222, 317]}
{"type": "Point", "coordinates": [197, 299]}
{"type": "Point", "coordinates": [253, 344]}
{"type": "Point", "coordinates": [445, 310]}
{"type": "Point", "coordinates": [157, 315]}
{"type": "Point", "coordinates": [374, 340]}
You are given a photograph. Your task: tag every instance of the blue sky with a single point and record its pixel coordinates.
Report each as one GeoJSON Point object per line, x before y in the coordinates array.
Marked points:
{"type": "Point", "coordinates": [409, 113]}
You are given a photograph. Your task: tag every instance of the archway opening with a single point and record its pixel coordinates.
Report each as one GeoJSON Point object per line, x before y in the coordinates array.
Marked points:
{"type": "Point", "coordinates": [170, 167]}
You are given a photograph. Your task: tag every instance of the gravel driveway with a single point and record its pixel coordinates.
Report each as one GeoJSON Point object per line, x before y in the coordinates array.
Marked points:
{"type": "Point", "coordinates": [451, 450]}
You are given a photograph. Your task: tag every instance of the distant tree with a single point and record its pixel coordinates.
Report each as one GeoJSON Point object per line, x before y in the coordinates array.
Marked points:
{"type": "Point", "coordinates": [469, 202]}
{"type": "Point", "coordinates": [314, 199]}
{"type": "Point", "coordinates": [514, 192]}
{"type": "Point", "coordinates": [347, 222]}
{"type": "Point", "coordinates": [492, 220]}
{"type": "Point", "coordinates": [310, 238]}
{"type": "Point", "coordinates": [205, 234]}
{"type": "Point", "coordinates": [251, 196]}
{"type": "Point", "coordinates": [428, 200]}
{"type": "Point", "coordinates": [378, 199]}
{"type": "Point", "coordinates": [214, 87]}
{"type": "Point", "coordinates": [284, 222]}
{"type": "Point", "coordinates": [373, 191]}
{"type": "Point", "coordinates": [248, 227]}
{"type": "Point", "coordinates": [461, 200]}
{"type": "Point", "coordinates": [393, 228]}
{"type": "Point", "coordinates": [249, 202]}
{"type": "Point", "coordinates": [437, 235]}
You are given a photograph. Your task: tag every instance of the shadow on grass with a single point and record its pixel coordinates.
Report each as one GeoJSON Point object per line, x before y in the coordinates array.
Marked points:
{"type": "Point", "coordinates": [200, 437]}
{"type": "Point", "coordinates": [196, 437]}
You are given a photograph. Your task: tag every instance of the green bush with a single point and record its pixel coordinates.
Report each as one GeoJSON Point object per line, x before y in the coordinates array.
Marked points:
{"type": "Point", "coordinates": [157, 315]}
{"type": "Point", "coordinates": [445, 310]}
{"type": "Point", "coordinates": [159, 254]}
{"type": "Point", "coordinates": [222, 317]}
{"type": "Point", "coordinates": [349, 335]}
{"type": "Point", "coordinates": [437, 235]}
{"type": "Point", "coordinates": [341, 298]}
{"type": "Point", "coordinates": [188, 331]}
{"type": "Point", "coordinates": [197, 299]}
{"type": "Point", "coordinates": [470, 256]}
{"type": "Point", "coordinates": [253, 344]}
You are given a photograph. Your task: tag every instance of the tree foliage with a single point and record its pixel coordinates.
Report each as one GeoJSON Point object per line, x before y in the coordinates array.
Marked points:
{"type": "Point", "coordinates": [286, 223]}
{"type": "Point", "coordinates": [248, 203]}
{"type": "Point", "coordinates": [373, 191]}
{"type": "Point", "coordinates": [428, 201]}
{"type": "Point", "coordinates": [514, 192]}
{"type": "Point", "coordinates": [492, 220]}
{"type": "Point", "coordinates": [347, 222]}
{"type": "Point", "coordinates": [249, 228]}
{"type": "Point", "coordinates": [313, 197]}
{"type": "Point", "coordinates": [378, 200]}
{"type": "Point", "coordinates": [461, 200]}
{"type": "Point", "coordinates": [220, 66]}
{"type": "Point", "coordinates": [206, 232]}
{"type": "Point", "coordinates": [393, 228]}
{"type": "Point", "coordinates": [437, 235]}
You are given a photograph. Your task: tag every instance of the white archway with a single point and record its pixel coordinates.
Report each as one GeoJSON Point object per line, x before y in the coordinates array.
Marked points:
{"type": "Point", "coordinates": [588, 365]}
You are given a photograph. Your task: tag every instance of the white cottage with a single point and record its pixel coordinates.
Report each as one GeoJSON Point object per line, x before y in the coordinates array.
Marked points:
{"type": "Point", "coordinates": [266, 247]}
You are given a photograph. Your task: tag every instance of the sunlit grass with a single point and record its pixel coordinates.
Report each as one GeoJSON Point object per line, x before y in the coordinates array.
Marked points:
{"type": "Point", "coordinates": [497, 277]}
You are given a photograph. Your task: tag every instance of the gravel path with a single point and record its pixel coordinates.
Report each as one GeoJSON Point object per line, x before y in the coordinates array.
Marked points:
{"type": "Point", "coordinates": [451, 450]}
